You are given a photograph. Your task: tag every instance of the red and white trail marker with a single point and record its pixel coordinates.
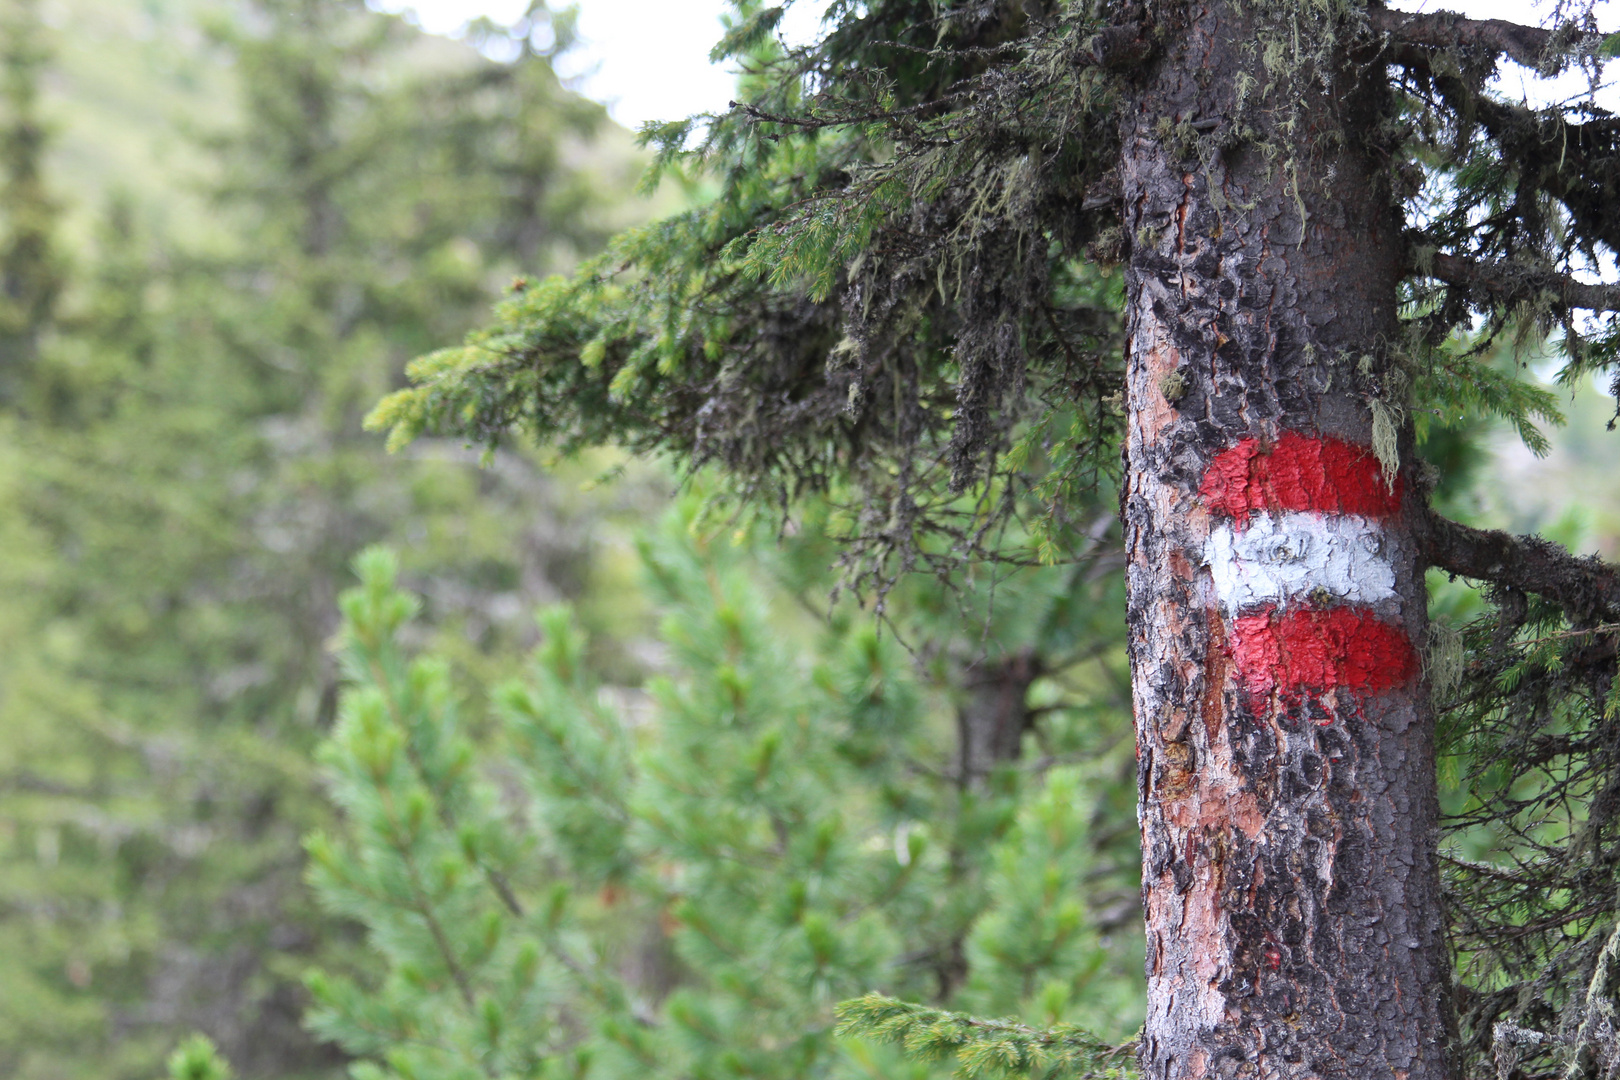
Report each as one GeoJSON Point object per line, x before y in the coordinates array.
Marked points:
{"type": "Point", "coordinates": [1301, 568]}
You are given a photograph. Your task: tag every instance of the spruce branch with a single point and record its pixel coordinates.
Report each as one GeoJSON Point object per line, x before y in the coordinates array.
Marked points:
{"type": "Point", "coordinates": [1572, 162]}
{"type": "Point", "coordinates": [1586, 587]}
{"type": "Point", "coordinates": [1532, 46]}
{"type": "Point", "coordinates": [1509, 283]}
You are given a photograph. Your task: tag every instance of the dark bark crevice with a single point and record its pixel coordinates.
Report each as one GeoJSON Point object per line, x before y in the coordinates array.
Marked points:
{"type": "Point", "coordinates": [1120, 48]}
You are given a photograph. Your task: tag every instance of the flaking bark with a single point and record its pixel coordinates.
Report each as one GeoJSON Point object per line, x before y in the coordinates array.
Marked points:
{"type": "Point", "coordinates": [1290, 876]}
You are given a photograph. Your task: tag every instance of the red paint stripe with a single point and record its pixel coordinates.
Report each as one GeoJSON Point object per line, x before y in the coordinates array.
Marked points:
{"type": "Point", "coordinates": [1319, 649]}
{"type": "Point", "coordinates": [1298, 473]}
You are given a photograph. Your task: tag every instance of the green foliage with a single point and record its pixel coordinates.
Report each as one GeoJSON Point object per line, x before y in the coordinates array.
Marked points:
{"type": "Point", "coordinates": [1035, 940]}
{"type": "Point", "coordinates": [685, 880]}
{"type": "Point", "coordinates": [984, 1047]}
{"type": "Point", "coordinates": [1528, 736]}
{"type": "Point", "coordinates": [901, 295]}
{"type": "Point", "coordinates": [31, 273]}
{"type": "Point", "coordinates": [905, 277]}
{"type": "Point", "coordinates": [886, 289]}
{"type": "Point", "coordinates": [1459, 384]}
{"type": "Point", "coordinates": [1527, 760]}
{"type": "Point", "coordinates": [435, 868]}
{"type": "Point", "coordinates": [198, 1059]}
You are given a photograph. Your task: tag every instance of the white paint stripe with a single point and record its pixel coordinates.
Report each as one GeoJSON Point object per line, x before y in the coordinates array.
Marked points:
{"type": "Point", "coordinates": [1293, 555]}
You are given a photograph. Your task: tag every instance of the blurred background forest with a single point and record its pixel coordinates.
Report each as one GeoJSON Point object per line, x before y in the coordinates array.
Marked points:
{"type": "Point", "coordinates": [583, 778]}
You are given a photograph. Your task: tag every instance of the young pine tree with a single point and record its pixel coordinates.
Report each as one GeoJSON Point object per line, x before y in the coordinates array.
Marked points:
{"type": "Point", "coordinates": [686, 882]}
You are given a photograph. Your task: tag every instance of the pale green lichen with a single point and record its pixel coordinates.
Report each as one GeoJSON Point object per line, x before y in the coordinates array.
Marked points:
{"type": "Point", "coordinates": [1385, 438]}
{"type": "Point", "coordinates": [1444, 657]}
{"type": "Point", "coordinates": [1385, 400]}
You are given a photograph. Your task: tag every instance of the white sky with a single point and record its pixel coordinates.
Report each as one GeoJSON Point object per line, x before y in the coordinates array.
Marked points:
{"type": "Point", "coordinates": [648, 59]}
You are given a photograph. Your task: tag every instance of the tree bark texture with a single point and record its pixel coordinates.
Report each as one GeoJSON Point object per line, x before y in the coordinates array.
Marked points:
{"type": "Point", "coordinates": [1284, 736]}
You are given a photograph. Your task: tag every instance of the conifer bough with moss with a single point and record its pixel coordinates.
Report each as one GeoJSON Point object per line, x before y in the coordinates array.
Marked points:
{"type": "Point", "coordinates": [962, 255]}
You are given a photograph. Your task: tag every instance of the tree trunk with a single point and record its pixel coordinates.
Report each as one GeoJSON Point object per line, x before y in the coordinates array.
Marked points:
{"type": "Point", "coordinates": [1284, 736]}
{"type": "Point", "coordinates": [994, 714]}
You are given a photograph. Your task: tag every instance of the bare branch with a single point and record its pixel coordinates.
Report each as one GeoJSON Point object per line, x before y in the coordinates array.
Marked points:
{"type": "Point", "coordinates": [1510, 283]}
{"type": "Point", "coordinates": [1586, 587]}
{"type": "Point", "coordinates": [35, 784]}
{"type": "Point", "coordinates": [1532, 46]}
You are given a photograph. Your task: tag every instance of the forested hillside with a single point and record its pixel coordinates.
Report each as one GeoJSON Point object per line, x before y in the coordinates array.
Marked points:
{"type": "Point", "coordinates": [224, 229]}
{"type": "Point", "coordinates": [128, 90]}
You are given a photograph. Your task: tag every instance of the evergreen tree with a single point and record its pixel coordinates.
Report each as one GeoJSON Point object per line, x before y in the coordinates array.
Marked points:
{"type": "Point", "coordinates": [685, 882]}
{"type": "Point", "coordinates": [963, 255]}
{"type": "Point", "coordinates": [30, 271]}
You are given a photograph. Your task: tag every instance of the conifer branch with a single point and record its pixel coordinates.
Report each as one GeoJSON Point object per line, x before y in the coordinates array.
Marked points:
{"type": "Point", "coordinates": [1532, 46]}
{"type": "Point", "coordinates": [985, 1047]}
{"type": "Point", "coordinates": [1509, 283]}
{"type": "Point", "coordinates": [1572, 162]}
{"type": "Point", "coordinates": [497, 880]}
{"type": "Point", "coordinates": [421, 902]}
{"type": "Point", "coordinates": [1586, 587]}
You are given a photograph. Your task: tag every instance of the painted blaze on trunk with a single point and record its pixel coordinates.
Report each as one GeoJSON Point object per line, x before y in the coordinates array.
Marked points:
{"type": "Point", "coordinates": [1285, 751]}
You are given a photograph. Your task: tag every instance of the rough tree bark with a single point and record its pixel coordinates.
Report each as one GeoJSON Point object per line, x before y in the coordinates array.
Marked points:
{"type": "Point", "coordinates": [1286, 767]}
